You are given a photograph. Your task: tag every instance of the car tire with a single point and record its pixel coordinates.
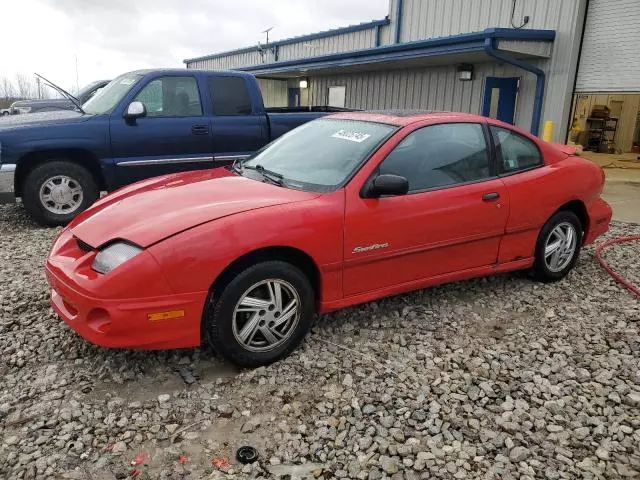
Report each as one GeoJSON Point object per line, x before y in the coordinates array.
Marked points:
{"type": "Point", "coordinates": [237, 322]}
{"type": "Point", "coordinates": [558, 247]}
{"type": "Point", "coordinates": [59, 181]}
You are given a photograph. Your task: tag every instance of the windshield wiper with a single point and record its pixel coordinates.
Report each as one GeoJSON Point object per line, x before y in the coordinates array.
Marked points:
{"type": "Point", "coordinates": [62, 91]}
{"type": "Point", "coordinates": [273, 177]}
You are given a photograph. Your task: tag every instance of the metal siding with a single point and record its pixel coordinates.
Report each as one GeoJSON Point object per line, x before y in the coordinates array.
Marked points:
{"type": "Point", "coordinates": [435, 18]}
{"type": "Point", "coordinates": [274, 92]}
{"type": "Point", "coordinates": [610, 59]}
{"type": "Point", "coordinates": [326, 45]}
{"type": "Point", "coordinates": [435, 88]}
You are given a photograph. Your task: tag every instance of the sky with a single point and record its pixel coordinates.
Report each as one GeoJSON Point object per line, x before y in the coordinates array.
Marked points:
{"type": "Point", "coordinates": [109, 37]}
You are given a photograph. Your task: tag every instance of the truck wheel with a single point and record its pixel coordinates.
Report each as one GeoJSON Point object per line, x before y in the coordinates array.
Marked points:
{"type": "Point", "coordinates": [54, 192]}
{"type": "Point", "coordinates": [261, 315]}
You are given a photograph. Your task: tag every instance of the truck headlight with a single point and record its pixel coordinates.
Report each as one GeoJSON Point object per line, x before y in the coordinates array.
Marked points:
{"type": "Point", "coordinates": [113, 256]}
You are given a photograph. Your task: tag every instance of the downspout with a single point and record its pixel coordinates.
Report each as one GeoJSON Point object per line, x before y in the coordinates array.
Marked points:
{"type": "Point", "coordinates": [376, 33]}
{"type": "Point", "coordinates": [398, 20]}
{"type": "Point", "coordinates": [489, 48]}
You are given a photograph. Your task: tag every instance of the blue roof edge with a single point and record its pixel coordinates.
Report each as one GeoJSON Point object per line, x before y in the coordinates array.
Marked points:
{"type": "Point", "coordinates": [452, 41]}
{"type": "Point", "coordinates": [288, 41]}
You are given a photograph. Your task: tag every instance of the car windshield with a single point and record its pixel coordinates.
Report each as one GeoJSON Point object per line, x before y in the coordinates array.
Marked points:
{"type": "Point", "coordinates": [320, 155]}
{"type": "Point", "coordinates": [106, 99]}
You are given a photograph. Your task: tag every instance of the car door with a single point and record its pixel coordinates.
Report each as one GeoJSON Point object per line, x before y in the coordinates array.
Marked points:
{"type": "Point", "coordinates": [173, 136]}
{"type": "Point", "coordinates": [238, 126]}
{"type": "Point", "coordinates": [451, 220]}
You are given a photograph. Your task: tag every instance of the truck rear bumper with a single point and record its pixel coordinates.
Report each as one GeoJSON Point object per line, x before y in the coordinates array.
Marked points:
{"type": "Point", "coordinates": [7, 182]}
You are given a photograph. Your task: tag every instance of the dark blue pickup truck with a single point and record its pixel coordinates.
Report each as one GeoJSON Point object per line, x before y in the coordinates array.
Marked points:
{"type": "Point", "coordinates": [141, 124]}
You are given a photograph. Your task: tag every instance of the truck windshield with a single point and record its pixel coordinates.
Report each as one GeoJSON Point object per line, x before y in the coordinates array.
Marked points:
{"type": "Point", "coordinates": [320, 155]}
{"type": "Point", "coordinates": [105, 100]}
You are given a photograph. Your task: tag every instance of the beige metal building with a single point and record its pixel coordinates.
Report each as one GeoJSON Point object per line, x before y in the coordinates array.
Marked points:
{"type": "Point", "coordinates": [517, 60]}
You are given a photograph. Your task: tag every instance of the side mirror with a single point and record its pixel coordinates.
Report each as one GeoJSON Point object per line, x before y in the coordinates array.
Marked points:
{"type": "Point", "coordinates": [388, 184]}
{"type": "Point", "coordinates": [135, 110]}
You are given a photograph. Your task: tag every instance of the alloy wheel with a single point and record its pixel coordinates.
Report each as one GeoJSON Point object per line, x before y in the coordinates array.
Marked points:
{"type": "Point", "coordinates": [266, 315]}
{"type": "Point", "coordinates": [560, 247]}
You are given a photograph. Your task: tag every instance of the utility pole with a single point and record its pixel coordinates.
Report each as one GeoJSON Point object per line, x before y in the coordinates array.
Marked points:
{"type": "Point", "coordinates": [39, 89]}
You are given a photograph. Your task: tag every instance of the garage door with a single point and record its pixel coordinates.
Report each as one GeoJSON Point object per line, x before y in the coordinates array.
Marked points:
{"type": "Point", "coordinates": [610, 59]}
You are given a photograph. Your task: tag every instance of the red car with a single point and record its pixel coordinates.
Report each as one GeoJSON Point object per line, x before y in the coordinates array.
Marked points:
{"type": "Point", "coordinates": [340, 211]}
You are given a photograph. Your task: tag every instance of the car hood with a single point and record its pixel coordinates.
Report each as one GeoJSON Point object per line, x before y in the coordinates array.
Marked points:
{"type": "Point", "coordinates": [150, 211]}
{"type": "Point", "coordinates": [57, 117]}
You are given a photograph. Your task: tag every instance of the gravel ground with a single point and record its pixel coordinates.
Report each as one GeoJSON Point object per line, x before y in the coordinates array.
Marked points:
{"type": "Point", "coordinates": [492, 378]}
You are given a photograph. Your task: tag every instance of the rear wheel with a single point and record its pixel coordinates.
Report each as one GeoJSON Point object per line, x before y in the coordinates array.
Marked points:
{"type": "Point", "coordinates": [558, 247]}
{"type": "Point", "coordinates": [261, 315]}
{"type": "Point", "coordinates": [56, 191]}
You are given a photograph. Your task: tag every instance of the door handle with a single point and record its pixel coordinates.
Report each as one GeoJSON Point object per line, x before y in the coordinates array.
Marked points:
{"type": "Point", "coordinates": [488, 197]}
{"type": "Point", "coordinates": [200, 129]}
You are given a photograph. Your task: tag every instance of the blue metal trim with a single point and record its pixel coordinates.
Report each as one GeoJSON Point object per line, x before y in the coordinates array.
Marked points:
{"type": "Point", "coordinates": [301, 38]}
{"type": "Point", "coordinates": [438, 46]}
{"type": "Point", "coordinates": [398, 20]}
{"type": "Point", "coordinates": [337, 60]}
{"type": "Point", "coordinates": [489, 48]}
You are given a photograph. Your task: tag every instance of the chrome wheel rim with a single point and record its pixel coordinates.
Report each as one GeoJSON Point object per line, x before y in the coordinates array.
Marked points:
{"type": "Point", "coordinates": [266, 315]}
{"type": "Point", "coordinates": [61, 195]}
{"type": "Point", "coordinates": [560, 247]}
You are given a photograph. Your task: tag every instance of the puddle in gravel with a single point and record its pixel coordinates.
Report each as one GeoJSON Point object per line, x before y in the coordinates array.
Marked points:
{"type": "Point", "coordinates": [200, 447]}
{"type": "Point", "coordinates": [162, 381]}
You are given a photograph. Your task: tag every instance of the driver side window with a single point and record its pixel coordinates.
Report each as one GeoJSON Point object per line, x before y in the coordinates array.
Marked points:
{"type": "Point", "coordinates": [440, 156]}
{"type": "Point", "coordinates": [171, 97]}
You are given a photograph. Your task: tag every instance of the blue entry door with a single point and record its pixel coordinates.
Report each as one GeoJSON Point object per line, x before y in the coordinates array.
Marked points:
{"type": "Point", "coordinates": [500, 95]}
{"type": "Point", "coordinates": [294, 97]}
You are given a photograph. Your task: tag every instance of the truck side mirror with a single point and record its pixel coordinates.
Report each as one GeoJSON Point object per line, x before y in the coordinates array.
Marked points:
{"type": "Point", "coordinates": [135, 110]}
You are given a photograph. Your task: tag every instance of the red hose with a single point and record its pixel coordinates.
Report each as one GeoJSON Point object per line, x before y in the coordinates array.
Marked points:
{"type": "Point", "coordinates": [628, 285]}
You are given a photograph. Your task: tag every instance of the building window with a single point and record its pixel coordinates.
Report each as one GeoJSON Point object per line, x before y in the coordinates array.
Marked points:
{"type": "Point", "coordinates": [440, 156]}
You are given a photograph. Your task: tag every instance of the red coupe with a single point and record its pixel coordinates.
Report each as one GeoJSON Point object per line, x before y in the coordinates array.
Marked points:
{"type": "Point", "coordinates": [343, 210]}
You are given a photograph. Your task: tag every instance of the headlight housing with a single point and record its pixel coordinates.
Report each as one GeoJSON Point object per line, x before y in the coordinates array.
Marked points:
{"type": "Point", "coordinates": [113, 256]}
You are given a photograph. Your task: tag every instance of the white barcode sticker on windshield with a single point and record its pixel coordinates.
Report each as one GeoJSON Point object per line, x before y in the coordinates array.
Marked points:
{"type": "Point", "coordinates": [351, 136]}
{"type": "Point", "coordinates": [127, 81]}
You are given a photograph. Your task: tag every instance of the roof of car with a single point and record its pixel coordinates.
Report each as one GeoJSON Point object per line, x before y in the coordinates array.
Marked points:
{"type": "Point", "coordinates": [406, 117]}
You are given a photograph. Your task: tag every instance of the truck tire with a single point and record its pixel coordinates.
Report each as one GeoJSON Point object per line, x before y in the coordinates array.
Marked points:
{"type": "Point", "coordinates": [262, 315]}
{"type": "Point", "coordinates": [54, 192]}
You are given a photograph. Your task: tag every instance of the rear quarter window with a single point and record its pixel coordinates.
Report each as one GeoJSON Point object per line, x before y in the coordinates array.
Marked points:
{"type": "Point", "coordinates": [514, 152]}
{"type": "Point", "coordinates": [229, 96]}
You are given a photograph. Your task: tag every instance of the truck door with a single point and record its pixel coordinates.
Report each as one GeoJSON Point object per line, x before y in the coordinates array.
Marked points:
{"type": "Point", "coordinates": [173, 136]}
{"type": "Point", "coordinates": [238, 125]}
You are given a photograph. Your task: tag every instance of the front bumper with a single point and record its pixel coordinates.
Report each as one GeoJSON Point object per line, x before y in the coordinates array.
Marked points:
{"type": "Point", "coordinates": [125, 323]}
{"type": "Point", "coordinates": [7, 182]}
{"type": "Point", "coordinates": [131, 307]}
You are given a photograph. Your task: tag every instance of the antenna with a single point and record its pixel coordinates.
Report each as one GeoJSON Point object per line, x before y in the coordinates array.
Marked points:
{"type": "Point", "coordinates": [267, 32]}
{"type": "Point", "coordinates": [77, 82]}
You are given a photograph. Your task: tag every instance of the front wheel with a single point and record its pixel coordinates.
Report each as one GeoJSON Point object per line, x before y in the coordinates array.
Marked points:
{"type": "Point", "coordinates": [261, 315]}
{"type": "Point", "coordinates": [558, 247]}
{"type": "Point", "coordinates": [54, 192]}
